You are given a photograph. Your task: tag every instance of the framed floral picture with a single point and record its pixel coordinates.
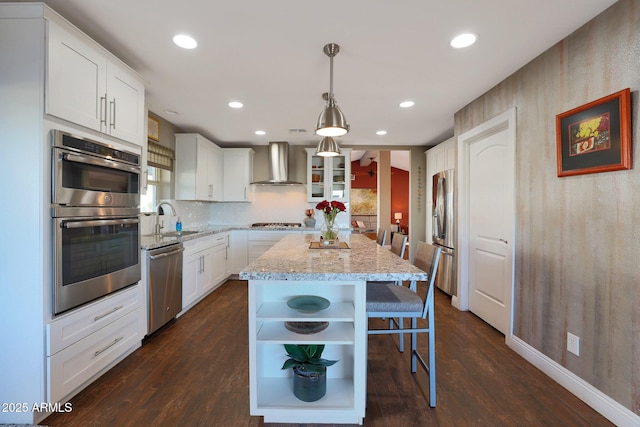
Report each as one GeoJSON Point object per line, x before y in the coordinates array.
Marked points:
{"type": "Point", "coordinates": [595, 137]}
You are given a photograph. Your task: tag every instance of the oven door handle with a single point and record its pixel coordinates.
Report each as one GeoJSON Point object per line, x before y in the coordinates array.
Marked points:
{"type": "Point", "coordinates": [99, 222]}
{"type": "Point", "coordinates": [78, 158]}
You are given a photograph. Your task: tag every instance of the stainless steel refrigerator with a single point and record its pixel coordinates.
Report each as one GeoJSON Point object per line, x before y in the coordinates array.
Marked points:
{"type": "Point", "coordinates": [443, 228]}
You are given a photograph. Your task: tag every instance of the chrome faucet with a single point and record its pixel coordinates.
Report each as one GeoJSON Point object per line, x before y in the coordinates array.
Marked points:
{"type": "Point", "coordinates": [159, 226]}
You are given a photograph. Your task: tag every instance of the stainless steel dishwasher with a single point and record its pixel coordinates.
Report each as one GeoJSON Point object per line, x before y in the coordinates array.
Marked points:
{"type": "Point", "coordinates": [165, 284]}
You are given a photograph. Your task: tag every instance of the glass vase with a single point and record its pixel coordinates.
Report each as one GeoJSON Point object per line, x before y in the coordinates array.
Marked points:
{"type": "Point", "coordinates": [329, 231]}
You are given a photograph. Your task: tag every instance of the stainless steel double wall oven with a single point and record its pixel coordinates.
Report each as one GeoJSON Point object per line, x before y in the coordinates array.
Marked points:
{"type": "Point", "coordinates": [95, 206]}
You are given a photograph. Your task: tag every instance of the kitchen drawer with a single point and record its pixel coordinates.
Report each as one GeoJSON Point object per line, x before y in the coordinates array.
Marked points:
{"type": "Point", "coordinates": [220, 239]}
{"type": "Point", "coordinates": [78, 363]}
{"type": "Point", "coordinates": [201, 243]}
{"type": "Point", "coordinates": [80, 323]}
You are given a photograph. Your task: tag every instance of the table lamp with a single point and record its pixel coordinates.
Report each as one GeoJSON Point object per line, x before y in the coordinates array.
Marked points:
{"type": "Point", "coordinates": [397, 216]}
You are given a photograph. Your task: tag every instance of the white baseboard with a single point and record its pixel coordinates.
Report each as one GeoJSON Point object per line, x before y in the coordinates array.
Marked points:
{"type": "Point", "coordinates": [609, 408]}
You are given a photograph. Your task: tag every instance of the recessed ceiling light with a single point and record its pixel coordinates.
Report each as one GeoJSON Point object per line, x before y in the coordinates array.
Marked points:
{"type": "Point", "coordinates": [172, 112]}
{"type": "Point", "coordinates": [235, 104]}
{"type": "Point", "coordinates": [464, 40]}
{"type": "Point", "coordinates": [185, 41]}
{"type": "Point", "coordinates": [407, 104]}
{"type": "Point", "coordinates": [260, 132]}
{"type": "Point", "coordinates": [381, 132]}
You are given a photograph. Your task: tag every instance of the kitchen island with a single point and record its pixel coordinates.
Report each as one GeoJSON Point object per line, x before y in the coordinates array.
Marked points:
{"type": "Point", "coordinates": [291, 268]}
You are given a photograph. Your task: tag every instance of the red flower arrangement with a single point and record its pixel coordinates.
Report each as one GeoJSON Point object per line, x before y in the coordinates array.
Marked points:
{"type": "Point", "coordinates": [330, 210]}
{"type": "Point", "coordinates": [333, 207]}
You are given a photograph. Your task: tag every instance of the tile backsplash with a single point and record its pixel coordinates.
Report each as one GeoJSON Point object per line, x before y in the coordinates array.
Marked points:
{"type": "Point", "coordinates": [269, 204]}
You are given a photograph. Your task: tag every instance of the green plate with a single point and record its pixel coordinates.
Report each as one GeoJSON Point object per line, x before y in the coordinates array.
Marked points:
{"type": "Point", "coordinates": [308, 303]}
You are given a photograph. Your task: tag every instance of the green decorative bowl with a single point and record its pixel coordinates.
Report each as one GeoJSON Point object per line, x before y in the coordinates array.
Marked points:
{"type": "Point", "coordinates": [308, 303]}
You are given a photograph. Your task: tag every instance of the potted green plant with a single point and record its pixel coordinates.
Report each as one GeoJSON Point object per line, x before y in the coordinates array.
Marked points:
{"type": "Point", "coordinates": [309, 370]}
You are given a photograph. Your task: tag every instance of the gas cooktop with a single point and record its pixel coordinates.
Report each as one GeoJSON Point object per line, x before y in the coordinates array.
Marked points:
{"type": "Point", "coordinates": [277, 224]}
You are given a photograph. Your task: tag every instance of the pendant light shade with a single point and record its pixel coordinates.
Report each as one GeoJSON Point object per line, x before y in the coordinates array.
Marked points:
{"type": "Point", "coordinates": [331, 121]}
{"type": "Point", "coordinates": [328, 147]}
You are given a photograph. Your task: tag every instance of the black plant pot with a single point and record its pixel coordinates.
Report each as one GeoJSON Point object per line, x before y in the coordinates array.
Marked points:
{"type": "Point", "coordinates": [309, 386]}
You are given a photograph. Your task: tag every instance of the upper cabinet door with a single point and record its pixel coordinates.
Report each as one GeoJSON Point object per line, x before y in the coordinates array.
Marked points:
{"type": "Point", "coordinates": [125, 103]}
{"type": "Point", "coordinates": [340, 188]}
{"type": "Point", "coordinates": [198, 169]}
{"type": "Point", "coordinates": [238, 174]}
{"type": "Point", "coordinates": [88, 86]}
{"type": "Point", "coordinates": [76, 83]}
{"type": "Point", "coordinates": [328, 177]}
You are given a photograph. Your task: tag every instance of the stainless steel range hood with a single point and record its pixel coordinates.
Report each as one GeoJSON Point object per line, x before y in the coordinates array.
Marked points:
{"type": "Point", "coordinates": [278, 165]}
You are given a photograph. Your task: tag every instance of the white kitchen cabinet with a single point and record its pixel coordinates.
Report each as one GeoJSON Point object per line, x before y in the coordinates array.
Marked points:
{"type": "Point", "coordinates": [219, 257]}
{"type": "Point", "coordinates": [204, 267]}
{"type": "Point", "coordinates": [328, 178]}
{"type": "Point", "coordinates": [82, 343]}
{"type": "Point", "coordinates": [31, 373]}
{"type": "Point", "coordinates": [192, 274]}
{"type": "Point", "coordinates": [88, 86]}
{"type": "Point", "coordinates": [125, 98]}
{"type": "Point", "coordinates": [238, 174]}
{"type": "Point", "coordinates": [197, 275]}
{"type": "Point", "coordinates": [238, 253]}
{"type": "Point", "coordinates": [270, 388]}
{"type": "Point", "coordinates": [198, 168]}
{"type": "Point", "coordinates": [439, 158]}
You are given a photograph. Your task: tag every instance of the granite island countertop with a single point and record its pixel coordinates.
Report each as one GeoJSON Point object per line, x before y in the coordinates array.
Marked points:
{"type": "Point", "coordinates": [292, 259]}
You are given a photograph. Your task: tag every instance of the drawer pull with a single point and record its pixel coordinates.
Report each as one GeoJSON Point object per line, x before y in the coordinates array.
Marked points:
{"type": "Point", "coordinates": [95, 319]}
{"type": "Point", "coordinates": [116, 341]}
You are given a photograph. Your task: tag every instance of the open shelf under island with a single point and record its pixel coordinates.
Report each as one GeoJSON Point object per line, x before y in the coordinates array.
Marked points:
{"type": "Point", "coordinates": [290, 269]}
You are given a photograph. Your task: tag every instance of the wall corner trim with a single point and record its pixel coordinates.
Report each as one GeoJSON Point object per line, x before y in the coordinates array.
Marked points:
{"type": "Point", "coordinates": [605, 405]}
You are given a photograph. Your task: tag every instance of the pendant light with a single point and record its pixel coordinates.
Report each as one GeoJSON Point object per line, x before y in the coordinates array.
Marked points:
{"type": "Point", "coordinates": [328, 147]}
{"type": "Point", "coordinates": [331, 121]}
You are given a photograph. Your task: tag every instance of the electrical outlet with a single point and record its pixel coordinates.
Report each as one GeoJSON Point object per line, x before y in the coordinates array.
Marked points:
{"type": "Point", "coordinates": [573, 343]}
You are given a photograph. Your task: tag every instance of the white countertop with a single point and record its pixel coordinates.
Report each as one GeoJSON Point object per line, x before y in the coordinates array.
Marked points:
{"type": "Point", "coordinates": [291, 259]}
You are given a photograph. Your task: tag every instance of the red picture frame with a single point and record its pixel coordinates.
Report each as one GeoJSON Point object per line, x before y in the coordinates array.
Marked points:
{"type": "Point", "coordinates": [595, 137]}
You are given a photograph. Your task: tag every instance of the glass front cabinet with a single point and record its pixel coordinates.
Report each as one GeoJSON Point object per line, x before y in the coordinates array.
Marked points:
{"type": "Point", "coordinates": [328, 178]}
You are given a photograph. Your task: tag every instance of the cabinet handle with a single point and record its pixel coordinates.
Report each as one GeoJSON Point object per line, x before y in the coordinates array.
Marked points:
{"type": "Point", "coordinates": [210, 190]}
{"type": "Point", "coordinates": [107, 347]}
{"type": "Point", "coordinates": [113, 113]}
{"type": "Point", "coordinates": [103, 110]}
{"type": "Point", "coordinates": [146, 180]}
{"type": "Point", "coordinates": [95, 319]}
{"type": "Point", "coordinates": [245, 192]}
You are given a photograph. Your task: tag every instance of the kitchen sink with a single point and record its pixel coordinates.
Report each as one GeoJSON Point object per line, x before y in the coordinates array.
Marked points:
{"type": "Point", "coordinates": [176, 234]}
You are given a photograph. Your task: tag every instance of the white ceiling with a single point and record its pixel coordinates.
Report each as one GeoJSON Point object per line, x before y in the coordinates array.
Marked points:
{"type": "Point", "coordinates": [268, 55]}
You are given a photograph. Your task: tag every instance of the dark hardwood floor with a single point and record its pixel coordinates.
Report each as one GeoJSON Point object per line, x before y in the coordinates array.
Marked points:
{"type": "Point", "coordinates": [194, 372]}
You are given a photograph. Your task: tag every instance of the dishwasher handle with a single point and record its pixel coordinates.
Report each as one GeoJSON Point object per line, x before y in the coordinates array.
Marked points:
{"type": "Point", "coordinates": [166, 254]}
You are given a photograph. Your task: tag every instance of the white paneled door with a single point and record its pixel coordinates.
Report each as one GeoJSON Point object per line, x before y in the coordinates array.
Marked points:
{"type": "Point", "coordinates": [490, 212]}
{"type": "Point", "coordinates": [489, 193]}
